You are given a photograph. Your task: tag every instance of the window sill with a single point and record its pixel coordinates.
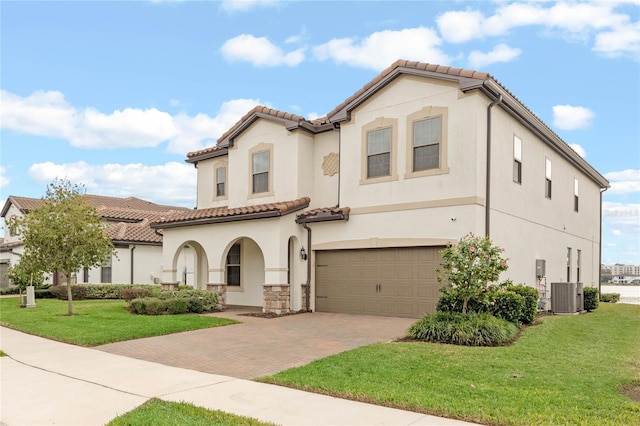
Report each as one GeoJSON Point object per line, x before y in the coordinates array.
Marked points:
{"type": "Point", "coordinates": [425, 173]}
{"type": "Point", "coordinates": [378, 179]}
{"type": "Point", "coordinates": [260, 194]}
{"type": "Point", "coordinates": [235, 288]}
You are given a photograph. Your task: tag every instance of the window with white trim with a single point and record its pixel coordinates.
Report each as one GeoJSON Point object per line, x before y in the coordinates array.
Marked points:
{"type": "Point", "coordinates": [260, 172]}
{"type": "Point", "coordinates": [379, 152]}
{"type": "Point", "coordinates": [221, 180]}
{"type": "Point", "coordinates": [517, 159]}
{"type": "Point", "coordinates": [547, 178]}
{"type": "Point", "coordinates": [427, 136]}
{"type": "Point", "coordinates": [578, 264]}
{"type": "Point", "coordinates": [568, 264]}
{"type": "Point", "coordinates": [576, 199]}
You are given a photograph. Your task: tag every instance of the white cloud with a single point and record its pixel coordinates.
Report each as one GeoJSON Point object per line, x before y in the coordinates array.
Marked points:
{"type": "Point", "coordinates": [624, 182]}
{"type": "Point", "coordinates": [382, 48]}
{"type": "Point", "coordinates": [616, 232]}
{"type": "Point", "coordinates": [500, 53]}
{"type": "Point", "coordinates": [171, 183]}
{"type": "Point", "coordinates": [460, 26]}
{"type": "Point", "coordinates": [624, 218]}
{"type": "Point", "coordinates": [567, 117]}
{"type": "Point", "coordinates": [244, 5]}
{"type": "Point", "coordinates": [48, 114]}
{"type": "Point", "coordinates": [4, 180]}
{"type": "Point", "coordinates": [613, 33]}
{"type": "Point", "coordinates": [259, 51]}
{"type": "Point", "coordinates": [621, 40]}
{"type": "Point", "coordinates": [578, 149]}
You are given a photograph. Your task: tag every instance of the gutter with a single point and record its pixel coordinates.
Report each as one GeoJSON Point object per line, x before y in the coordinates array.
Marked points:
{"type": "Point", "coordinates": [307, 294]}
{"type": "Point", "coordinates": [220, 219]}
{"type": "Point", "coordinates": [487, 205]}
{"type": "Point", "coordinates": [131, 251]}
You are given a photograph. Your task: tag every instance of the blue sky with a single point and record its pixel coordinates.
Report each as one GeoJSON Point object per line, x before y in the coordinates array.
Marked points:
{"type": "Point", "coordinates": [114, 94]}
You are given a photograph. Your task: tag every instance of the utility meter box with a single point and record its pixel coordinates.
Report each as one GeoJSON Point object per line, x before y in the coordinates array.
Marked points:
{"type": "Point", "coordinates": [541, 268]}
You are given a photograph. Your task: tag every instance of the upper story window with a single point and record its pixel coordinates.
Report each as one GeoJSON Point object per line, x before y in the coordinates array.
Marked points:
{"type": "Point", "coordinates": [547, 178]}
{"type": "Point", "coordinates": [379, 153]}
{"type": "Point", "coordinates": [426, 142]}
{"type": "Point", "coordinates": [221, 180]}
{"type": "Point", "coordinates": [575, 195]}
{"type": "Point", "coordinates": [427, 136]}
{"type": "Point", "coordinates": [260, 172]}
{"type": "Point", "coordinates": [517, 159]}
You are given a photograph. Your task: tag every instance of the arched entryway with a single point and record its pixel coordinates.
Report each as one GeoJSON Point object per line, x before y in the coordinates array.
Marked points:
{"type": "Point", "coordinates": [191, 265]}
{"type": "Point", "coordinates": [243, 266]}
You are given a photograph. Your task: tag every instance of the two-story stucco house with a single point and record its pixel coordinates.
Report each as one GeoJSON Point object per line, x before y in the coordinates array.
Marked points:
{"type": "Point", "coordinates": [356, 205]}
{"type": "Point", "coordinates": [138, 257]}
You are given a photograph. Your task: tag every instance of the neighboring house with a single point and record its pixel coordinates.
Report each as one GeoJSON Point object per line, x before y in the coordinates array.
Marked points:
{"type": "Point", "coordinates": [138, 247]}
{"type": "Point", "coordinates": [358, 203]}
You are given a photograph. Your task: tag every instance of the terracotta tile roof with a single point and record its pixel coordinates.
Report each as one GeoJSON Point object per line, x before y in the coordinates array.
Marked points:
{"type": "Point", "coordinates": [134, 232]}
{"type": "Point", "coordinates": [129, 218]}
{"type": "Point", "coordinates": [8, 246]}
{"type": "Point", "coordinates": [261, 110]}
{"type": "Point", "coordinates": [225, 214]}
{"type": "Point", "coordinates": [324, 214]}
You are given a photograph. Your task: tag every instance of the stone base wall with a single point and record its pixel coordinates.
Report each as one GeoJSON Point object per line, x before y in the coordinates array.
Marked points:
{"type": "Point", "coordinates": [170, 286]}
{"type": "Point", "coordinates": [276, 298]}
{"type": "Point", "coordinates": [221, 291]}
{"type": "Point", "coordinates": [304, 297]}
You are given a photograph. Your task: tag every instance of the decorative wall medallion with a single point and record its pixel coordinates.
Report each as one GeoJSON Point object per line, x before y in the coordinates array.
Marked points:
{"type": "Point", "coordinates": [331, 164]}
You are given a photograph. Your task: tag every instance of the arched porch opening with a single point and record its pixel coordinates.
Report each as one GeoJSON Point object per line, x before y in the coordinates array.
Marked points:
{"type": "Point", "coordinates": [244, 272]}
{"type": "Point", "coordinates": [191, 265]}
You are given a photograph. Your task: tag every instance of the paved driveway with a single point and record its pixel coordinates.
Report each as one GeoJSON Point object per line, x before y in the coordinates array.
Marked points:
{"type": "Point", "coordinates": [259, 346]}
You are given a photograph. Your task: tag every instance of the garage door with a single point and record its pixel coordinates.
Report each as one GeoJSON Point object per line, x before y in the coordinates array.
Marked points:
{"type": "Point", "coordinates": [391, 281]}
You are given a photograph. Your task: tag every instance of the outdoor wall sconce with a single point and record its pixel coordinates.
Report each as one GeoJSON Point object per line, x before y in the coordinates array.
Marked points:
{"type": "Point", "coordinates": [303, 254]}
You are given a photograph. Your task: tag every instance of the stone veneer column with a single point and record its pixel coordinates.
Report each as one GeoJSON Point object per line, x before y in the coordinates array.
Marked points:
{"type": "Point", "coordinates": [276, 298]}
{"type": "Point", "coordinates": [221, 291]}
{"type": "Point", "coordinates": [170, 286]}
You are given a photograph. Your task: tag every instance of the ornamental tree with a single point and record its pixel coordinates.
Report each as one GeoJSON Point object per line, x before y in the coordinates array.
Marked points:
{"type": "Point", "coordinates": [64, 234]}
{"type": "Point", "coordinates": [471, 267]}
{"type": "Point", "coordinates": [24, 274]}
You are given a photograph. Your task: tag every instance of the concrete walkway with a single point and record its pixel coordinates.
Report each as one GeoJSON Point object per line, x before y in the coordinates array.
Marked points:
{"type": "Point", "coordinates": [44, 382]}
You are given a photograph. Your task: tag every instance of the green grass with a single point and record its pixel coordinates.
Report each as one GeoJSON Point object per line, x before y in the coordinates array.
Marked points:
{"type": "Point", "coordinates": [157, 412]}
{"type": "Point", "coordinates": [96, 322]}
{"type": "Point", "coordinates": [567, 370]}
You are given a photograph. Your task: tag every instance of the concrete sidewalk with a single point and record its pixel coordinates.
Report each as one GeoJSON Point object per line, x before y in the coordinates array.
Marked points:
{"type": "Point", "coordinates": [46, 382]}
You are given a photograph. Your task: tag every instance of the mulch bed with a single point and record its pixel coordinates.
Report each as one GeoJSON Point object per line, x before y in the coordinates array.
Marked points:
{"type": "Point", "coordinates": [271, 315]}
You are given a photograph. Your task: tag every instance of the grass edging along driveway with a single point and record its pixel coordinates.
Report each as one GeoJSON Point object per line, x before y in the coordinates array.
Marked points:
{"type": "Point", "coordinates": [566, 370]}
{"type": "Point", "coordinates": [96, 322]}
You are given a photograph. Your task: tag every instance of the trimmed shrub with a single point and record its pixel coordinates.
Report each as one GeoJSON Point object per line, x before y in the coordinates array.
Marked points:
{"type": "Point", "coordinates": [208, 299]}
{"type": "Point", "coordinates": [13, 289]}
{"type": "Point", "coordinates": [176, 306]}
{"type": "Point", "coordinates": [78, 292]}
{"type": "Point", "coordinates": [148, 306]}
{"type": "Point", "coordinates": [103, 291]}
{"type": "Point", "coordinates": [531, 296]}
{"type": "Point", "coordinates": [131, 293]}
{"type": "Point", "coordinates": [507, 305]}
{"type": "Point", "coordinates": [610, 297]}
{"type": "Point", "coordinates": [471, 329]}
{"type": "Point", "coordinates": [590, 298]}
{"type": "Point", "coordinates": [196, 305]}
{"type": "Point", "coordinates": [451, 301]}
{"type": "Point", "coordinates": [43, 293]}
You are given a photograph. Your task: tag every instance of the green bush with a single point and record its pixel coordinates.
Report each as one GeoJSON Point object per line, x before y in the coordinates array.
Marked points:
{"type": "Point", "coordinates": [451, 301]}
{"type": "Point", "coordinates": [531, 296]}
{"type": "Point", "coordinates": [610, 297]}
{"type": "Point", "coordinates": [131, 293]}
{"type": "Point", "coordinates": [177, 306]}
{"type": "Point", "coordinates": [209, 299]}
{"type": "Point", "coordinates": [507, 305]}
{"type": "Point", "coordinates": [590, 298]}
{"type": "Point", "coordinates": [43, 293]}
{"type": "Point", "coordinates": [196, 305]}
{"type": "Point", "coordinates": [78, 292]}
{"type": "Point", "coordinates": [148, 306]}
{"type": "Point", "coordinates": [10, 290]}
{"type": "Point", "coordinates": [471, 329]}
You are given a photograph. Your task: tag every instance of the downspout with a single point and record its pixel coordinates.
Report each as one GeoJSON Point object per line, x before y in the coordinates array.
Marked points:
{"type": "Point", "coordinates": [131, 251]}
{"type": "Point", "coordinates": [307, 295]}
{"type": "Point", "coordinates": [337, 126]}
{"type": "Point", "coordinates": [487, 203]}
{"type": "Point", "coordinates": [600, 248]}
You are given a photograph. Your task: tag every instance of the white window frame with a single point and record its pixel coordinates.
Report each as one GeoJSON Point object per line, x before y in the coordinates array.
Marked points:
{"type": "Point", "coordinates": [517, 160]}
{"type": "Point", "coordinates": [548, 187]}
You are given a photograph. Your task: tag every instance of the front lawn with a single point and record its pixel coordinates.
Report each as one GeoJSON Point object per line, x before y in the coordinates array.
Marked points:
{"type": "Point", "coordinates": [96, 322]}
{"type": "Point", "coordinates": [158, 412]}
{"type": "Point", "coordinates": [567, 370]}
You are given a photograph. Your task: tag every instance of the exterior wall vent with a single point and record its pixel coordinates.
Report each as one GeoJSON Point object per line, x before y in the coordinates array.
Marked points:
{"type": "Point", "coordinates": [567, 298]}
